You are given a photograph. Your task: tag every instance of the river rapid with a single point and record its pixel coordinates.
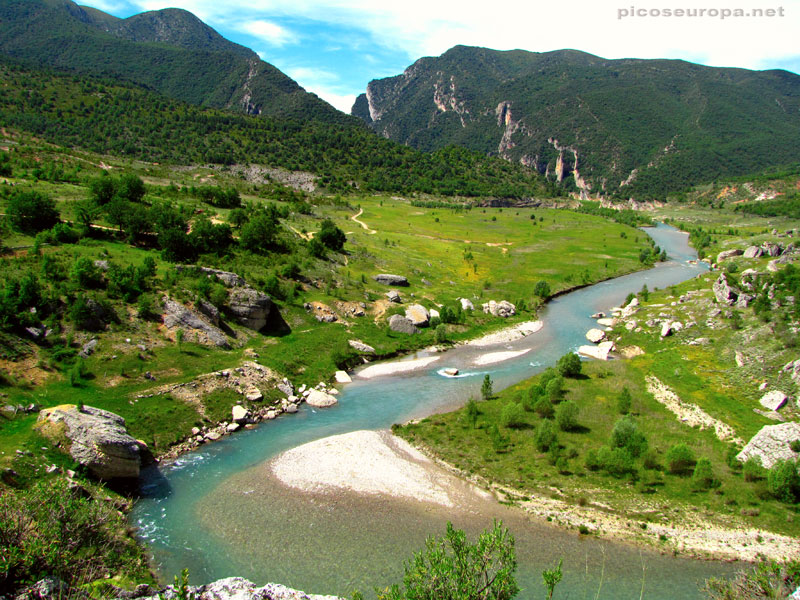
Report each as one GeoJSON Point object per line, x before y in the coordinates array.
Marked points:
{"type": "Point", "coordinates": [218, 513]}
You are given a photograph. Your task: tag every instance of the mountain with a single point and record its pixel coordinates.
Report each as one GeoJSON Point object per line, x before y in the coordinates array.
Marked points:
{"type": "Point", "coordinates": [170, 51]}
{"type": "Point", "coordinates": [628, 127]}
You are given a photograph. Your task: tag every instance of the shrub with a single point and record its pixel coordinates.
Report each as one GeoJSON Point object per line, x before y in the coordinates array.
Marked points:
{"type": "Point", "coordinates": [486, 387]}
{"type": "Point", "coordinates": [440, 333]}
{"type": "Point", "coordinates": [651, 460]}
{"type": "Point", "coordinates": [545, 435]}
{"type": "Point", "coordinates": [544, 408]}
{"type": "Point", "coordinates": [626, 435]}
{"type": "Point", "coordinates": [783, 481]}
{"type": "Point", "coordinates": [471, 412]}
{"type": "Point", "coordinates": [569, 365]}
{"type": "Point", "coordinates": [703, 476]}
{"type": "Point", "coordinates": [624, 401]}
{"type": "Point", "coordinates": [680, 459]}
{"type": "Point", "coordinates": [259, 234]}
{"type": "Point", "coordinates": [752, 469]}
{"type": "Point", "coordinates": [555, 389]}
{"type": "Point", "coordinates": [567, 416]}
{"type": "Point", "coordinates": [85, 274]}
{"type": "Point", "coordinates": [616, 462]}
{"type": "Point", "coordinates": [331, 236]}
{"type": "Point", "coordinates": [592, 461]}
{"type": "Point", "coordinates": [541, 289]}
{"type": "Point", "coordinates": [513, 415]}
{"type": "Point", "coordinates": [30, 212]}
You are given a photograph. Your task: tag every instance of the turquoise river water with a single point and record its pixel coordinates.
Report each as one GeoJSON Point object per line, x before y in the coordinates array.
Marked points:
{"type": "Point", "coordinates": [218, 512]}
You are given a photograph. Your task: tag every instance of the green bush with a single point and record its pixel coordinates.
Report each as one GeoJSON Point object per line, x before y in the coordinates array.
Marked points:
{"type": "Point", "coordinates": [513, 415]}
{"type": "Point", "coordinates": [541, 289]}
{"type": "Point", "coordinates": [753, 470]}
{"type": "Point", "coordinates": [569, 365]}
{"type": "Point", "coordinates": [567, 416]}
{"type": "Point", "coordinates": [783, 481]}
{"type": "Point", "coordinates": [545, 436]}
{"type": "Point", "coordinates": [703, 476]}
{"type": "Point", "coordinates": [680, 459]}
{"type": "Point", "coordinates": [544, 408]}
{"type": "Point", "coordinates": [31, 211]}
{"type": "Point", "coordinates": [616, 462]}
{"type": "Point", "coordinates": [624, 401]}
{"type": "Point", "coordinates": [626, 435]}
{"type": "Point", "coordinates": [331, 236]}
{"type": "Point", "coordinates": [554, 389]}
{"type": "Point", "coordinates": [440, 333]}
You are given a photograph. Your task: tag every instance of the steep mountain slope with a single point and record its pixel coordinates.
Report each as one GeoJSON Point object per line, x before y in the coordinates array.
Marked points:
{"type": "Point", "coordinates": [169, 50]}
{"type": "Point", "coordinates": [629, 127]}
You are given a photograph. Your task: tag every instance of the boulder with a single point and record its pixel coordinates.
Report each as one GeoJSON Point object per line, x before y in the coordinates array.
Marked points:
{"type": "Point", "coordinates": [729, 254]}
{"type": "Point", "coordinates": [211, 312]}
{"type": "Point", "coordinates": [744, 300]}
{"type": "Point", "coordinates": [88, 348]}
{"type": "Point", "coordinates": [239, 414]}
{"type": "Point", "coordinates": [723, 292]}
{"type": "Point", "coordinates": [401, 324]}
{"type": "Point", "coordinates": [600, 352]}
{"type": "Point", "coordinates": [342, 377]}
{"type": "Point", "coordinates": [434, 313]}
{"type": "Point", "coordinates": [96, 439]}
{"type": "Point", "coordinates": [227, 278]}
{"type": "Point", "coordinates": [249, 307]}
{"type": "Point", "coordinates": [466, 304]}
{"type": "Point", "coordinates": [49, 588]}
{"type": "Point", "coordinates": [504, 308]}
{"type": "Point", "coordinates": [253, 394]}
{"type": "Point", "coordinates": [418, 315]}
{"type": "Point", "coordinates": [598, 315]}
{"type": "Point", "coordinates": [361, 347]}
{"type": "Point", "coordinates": [231, 427]}
{"type": "Point", "coordinates": [320, 399]}
{"type": "Point", "coordinates": [237, 588]}
{"type": "Point", "coordinates": [285, 387]}
{"type": "Point", "coordinates": [771, 444]}
{"type": "Point", "coordinates": [450, 371]}
{"type": "Point", "coordinates": [393, 296]}
{"type": "Point", "coordinates": [595, 335]}
{"type": "Point", "coordinates": [771, 249]}
{"type": "Point", "coordinates": [177, 315]}
{"type": "Point", "coordinates": [753, 252]}
{"type": "Point", "coordinates": [387, 279]}
{"type": "Point", "coordinates": [773, 400]}
{"type": "Point", "coordinates": [607, 321]}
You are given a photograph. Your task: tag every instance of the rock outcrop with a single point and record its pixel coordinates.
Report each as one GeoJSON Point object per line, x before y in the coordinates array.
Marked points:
{"type": "Point", "coordinates": [773, 400]}
{"type": "Point", "coordinates": [418, 315]}
{"type": "Point", "coordinates": [178, 315]}
{"type": "Point", "coordinates": [249, 307]}
{"type": "Point", "coordinates": [227, 278]}
{"type": "Point", "coordinates": [504, 308]}
{"type": "Point", "coordinates": [359, 346]}
{"type": "Point", "coordinates": [753, 252]}
{"type": "Point", "coordinates": [772, 444]}
{"type": "Point", "coordinates": [401, 324]}
{"type": "Point", "coordinates": [95, 438]}
{"type": "Point", "coordinates": [729, 254]}
{"type": "Point", "coordinates": [723, 292]}
{"type": "Point", "coordinates": [387, 279]}
{"type": "Point", "coordinates": [237, 588]}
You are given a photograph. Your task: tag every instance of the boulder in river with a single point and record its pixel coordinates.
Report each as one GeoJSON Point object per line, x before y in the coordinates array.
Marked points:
{"type": "Point", "coordinates": [595, 335]}
{"type": "Point", "coordinates": [320, 399]}
{"type": "Point", "coordinates": [388, 279]}
{"type": "Point", "coordinates": [95, 438]}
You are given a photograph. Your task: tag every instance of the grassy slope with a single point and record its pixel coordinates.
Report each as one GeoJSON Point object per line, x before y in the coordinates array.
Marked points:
{"type": "Point", "coordinates": [705, 375]}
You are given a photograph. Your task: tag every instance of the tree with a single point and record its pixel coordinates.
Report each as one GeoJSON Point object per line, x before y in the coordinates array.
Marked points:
{"type": "Point", "coordinates": [440, 333]}
{"type": "Point", "coordinates": [567, 416]}
{"type": "Point", "coordinates": [486, 387]}
{"type": "Point", "coordinates": [513, 415]}
{"type": "Point", "coordinates": [259, 233]}
{"type": "Point", "coordinates": [545, 435]}
{"type": "Point", "coordinates": [569, 365]}
{"type": "Point", "coordinates": [626, 435]}
{"type": "Point", "coordinates": [454, 569]}
{"type": "Point", "coordinates": [679, 459]}
{"type": "Point", "coordinates": [131, 188]}
{"type": "Point", "coordinates": [103, 189]}
{"type": "Point", "coordinates": [783, 481]}
{"type": "Point", "coordinates": [544, 408]}
{"type": "Point", "coordinates": [331, 236]}
{"type": "Point", "coordinates": [624, 401]}
{"type": "Point", "coordinates": [471, 412]}
{"type": "Point", "coordinates": [703, 476]}
{"type": "Point", "coordinates": [31, 212]}
{"type": "Point", "coordinates": [541, 289]}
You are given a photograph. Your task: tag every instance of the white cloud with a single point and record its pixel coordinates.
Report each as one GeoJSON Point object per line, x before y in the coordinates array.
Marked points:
{"type": "Point", "coordinates": [325, 84]}
{"type": "Point", "coordinates": [344, 102]}
{"type": "Point", "coordinates": [268, 32]}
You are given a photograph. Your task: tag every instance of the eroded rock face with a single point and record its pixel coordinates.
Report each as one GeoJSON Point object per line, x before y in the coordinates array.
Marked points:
{"type": "Point", "coordinates": [771, 444]}
{"type": "Point", "coordinates": [237, 588]}
{"type": "Point", "coordinates": [723, 292]}
{"type": "Point", "coordinates": [387, 279]}
{"type": "Point", "coordinates": [401, 324]}
{"type": "Point", "coordinates": [249, 307]}
{"type": "Point", "coordinates": [418, 315]}
{"type": "Point", "coordinates": [504, 308]}
{"type": "Point", "coordinates": [97, 439]}
{"type": "Point", "coordinates": [178, 315]}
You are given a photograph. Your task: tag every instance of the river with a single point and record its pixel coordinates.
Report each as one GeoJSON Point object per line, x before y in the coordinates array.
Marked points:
{"type": "Point", "coordinates": [214, 512]}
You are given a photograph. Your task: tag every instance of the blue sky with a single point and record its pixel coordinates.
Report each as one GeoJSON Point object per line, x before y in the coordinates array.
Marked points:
{"type": "Point", "coordinates": [335, 47]}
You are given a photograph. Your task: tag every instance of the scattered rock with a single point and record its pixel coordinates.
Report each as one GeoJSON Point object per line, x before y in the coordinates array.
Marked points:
{"type": "Point", "coordinates": [418, 315]}
{"type": "Point", "coordinates": [239, 414]}
{"type": "Point", "coordinates": [291, 408]}
{"type": "Point", "coordinates": [771, 444]}
{"type": "Point", "coordinates": [96, 439]}
{"type": "Point", "coordinates": [227, 278]}
{"type": "Point", "coordinates": [50, 588]}
{"type": "Point", "coordinates": [773, 400]}
{"type": "Point", "coordinates": [387, 279]}
{"type": "Point", "coordinates": [723, 292]}
{"type": "Point", "coordinates": [666, 329]}
{"type": "Point", "coordinates": [771, 249]}
{"type": "Point", "coordinates": [434, 313]}
{"type": "Point", "coordinates": [320, 399]}
{"type": "Point", "coordinates": [231, 427]}
{"type": "Point", "coordinates": [177, 315]}
{"type": "Point", "coordinates": [631, 351]}
{"type": "Point", "coordinates": [504, 308]}
{"type": "Point", "coordinates": [599, 352]}
{"type": "Point", "coordinates": [607, 322]}
{"type": "Point", "coordinates": [744, 300]}
{"type": "Point", "coordinates": [361, 346]}
{"type": "Point", "coordinates": [213, 436]}
{"type": "Point", "coordinates": [286, 388]}
{"type": "Point", "coordinates": [237, 588]}
{"type": "Point", "coordinates": [741, 360]}
{"type": "Point", "coordinates": [466, 304]}
{"type": "Point", "coordinates": [249, 307]}
{"type": "Point", "coordinates": [88, 348]}
{"type": "Point", "coordinates": [753, 252]}
{"type": "Point", "coordinates": [401, 324]}
{"type": "Point", "coordinates": [729, 254]}
{"type": "Point", "coordinates": [595, 335]}
{"type": "Point", "coordinates": [342, 377]}
{"type": "Point", "coordinates": [393, 296]}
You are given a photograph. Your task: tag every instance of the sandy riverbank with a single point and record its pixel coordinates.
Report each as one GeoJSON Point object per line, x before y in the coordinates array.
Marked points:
{"type": "Point", "coordinates": [395, 367]}
{"type": "Point", "coordinates": [375, 463]}
{"type": "Point", "coordinates": [496, 357]}
{"type": "Point", "coordinates": [510, 334]}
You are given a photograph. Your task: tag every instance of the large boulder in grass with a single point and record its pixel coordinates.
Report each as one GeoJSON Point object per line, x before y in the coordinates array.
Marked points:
{"type": "Point", "coordinates": [725, 254]}
{"type": "Point", "coordinates": [771, 444]}
{"type": "Point", "coordinates": [178, 315]}
{"type": "Point", "coordinates": [401, 324]}
{"type": "Point", "coordinates": [723, 292]}
{"type": "Point", "coordinates": [249, 307]}
{"type": "Point", "coordinates": [504, 308]}
{"type": "Point", "coordinates": [418, 315]}
{"type": "Point", "coordinates": [95, 438]}
{"type": "Point", "coordinates": [387, 279]}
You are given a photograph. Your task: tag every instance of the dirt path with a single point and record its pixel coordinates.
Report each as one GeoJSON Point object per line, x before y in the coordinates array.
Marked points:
{"type": "Point", "coordinates": [306, 236]}
{"type": "Point", "coordinates": [364, 225]}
